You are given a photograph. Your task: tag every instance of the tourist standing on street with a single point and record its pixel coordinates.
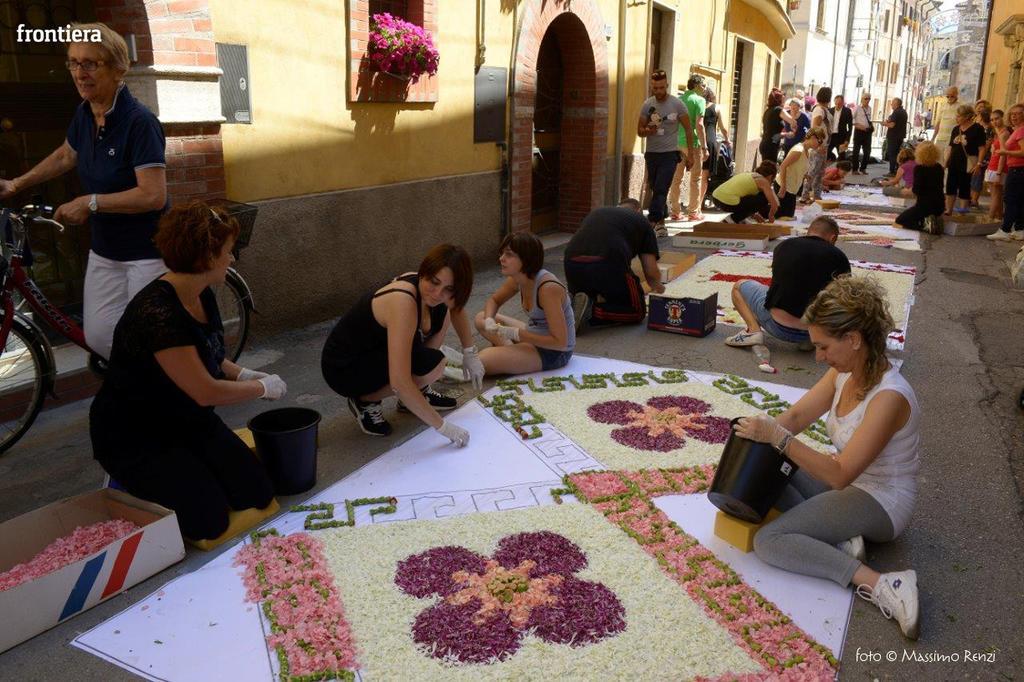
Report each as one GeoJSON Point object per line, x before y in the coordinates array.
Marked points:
{"type": "Point", "coordinates": [117, 146]}
{"type": "Point", "coordinates": [749, 194]}
{"type": "Point", "coordinates": [794, 133]}
{"type": "Point", "coordinates": [996, 169]}
{"type": "Point", "coordinates": [866, 492]}
{"type": "Point", "coordinates": [926, 187]}
{"type": "Point", "coordinates": [547, 340]}
{"type": "Point", "coordinates": [152, 424]}
{"type": "Point", "coordinates": [714, 122]}
{"type": "Point", "coordinates": [947, 119]}
{"type": "Point", "coordinates": [794, 168]}
{"type": "Point", "coordinates": [983, 112]}
{"type": "Point", "coordinates": [966, 147]}
{"type": "Point", "coordinates": [695, 107]}
{"type": "Point", "coordinates": [801, 267]}
{"type": "Point", "coordinates": [771, 126]}
{"type": "Point", "coordinates": [896, 133]}
{"type": "Point", "coordinates": [1013, 184]}
{"type": "Point", "coordinates": [840, 139]}
{"type": "Point", "coordinates": [816, 162]}
{"type": "Point", "coordinates": [597, 266]}
{"type": "Point", "coordinates": [820, 114]}
{"type": "Point", "coordinates": [863, 129]}
{"type": "Point", "coordinates": [661, 116]}
{"type": "Point", "coordinates": [389, 343]}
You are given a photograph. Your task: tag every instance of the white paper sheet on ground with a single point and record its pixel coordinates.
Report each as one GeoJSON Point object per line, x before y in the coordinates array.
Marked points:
{"type": "Point", "coordinates": [169, 636]}
{"type": "Point", "coordinates": [819, 607]}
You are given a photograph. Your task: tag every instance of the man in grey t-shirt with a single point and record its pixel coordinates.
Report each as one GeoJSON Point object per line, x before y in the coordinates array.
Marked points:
{"type": "Point", "coordinates": [660, 117]}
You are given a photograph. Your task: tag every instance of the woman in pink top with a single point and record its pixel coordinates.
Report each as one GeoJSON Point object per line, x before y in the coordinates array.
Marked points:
{"type": "Point", "coordinates": [996, 166]}
{"type": "Point", "coordinates": [1012, 151]}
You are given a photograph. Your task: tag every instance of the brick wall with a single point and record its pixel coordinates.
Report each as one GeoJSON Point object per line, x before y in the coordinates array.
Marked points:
{"type": "Point", "coordinates": [176, 33]}
{"type": "Point", "coordinates": [579, 29]}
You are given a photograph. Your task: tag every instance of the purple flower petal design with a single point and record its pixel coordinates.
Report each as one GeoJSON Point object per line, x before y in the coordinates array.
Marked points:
{"type": "Point", "coordinates": [684, 403]}
{"type": "Point", "coordinates": [430, 572]}
{"type": "Point", "coordinates": [639, 438]}
{"type": "Point", "coordinates": [716, 429]}
{"type": "Point", "coordinates": [587, 612]}
{"type": "Point", "coordinates": [448, 631]}
{"type": "Point", "coordinates": [613, 411]}
{"type": "Point", "coordinates": [552, 552]}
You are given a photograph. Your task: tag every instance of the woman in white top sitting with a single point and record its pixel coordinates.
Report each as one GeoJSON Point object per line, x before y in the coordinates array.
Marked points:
{"type": "Point", "coordinates": [868, 489]}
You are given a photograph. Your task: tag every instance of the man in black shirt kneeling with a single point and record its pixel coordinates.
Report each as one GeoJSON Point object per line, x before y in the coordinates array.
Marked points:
{"type": "Point", "coordinates": [597, 266]}
{"type": "Point", "coordinates": [801, 267]}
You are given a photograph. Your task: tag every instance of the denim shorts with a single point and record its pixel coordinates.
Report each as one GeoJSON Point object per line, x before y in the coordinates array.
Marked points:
{"type": "Point", "coordinates": [553, 359]}
{"type": "Point", "coordinates": [754, 293]}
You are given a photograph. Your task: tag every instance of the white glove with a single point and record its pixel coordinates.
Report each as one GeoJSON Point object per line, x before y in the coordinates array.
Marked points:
{"type": "Point", "coordinates": [472, 368]}
{"type": "Point", "coordinates": [250, 375]}
{"type": "Point", "coordinates": [762, 429]}
{"type": "Point", "coordinates": [490, 325]}
{"type": "Point", "coordinates": [274, 387]}
{"type": "Point", "coordinates": [507, 333]}
{"type": "Point", "coordinates": [456, 434]}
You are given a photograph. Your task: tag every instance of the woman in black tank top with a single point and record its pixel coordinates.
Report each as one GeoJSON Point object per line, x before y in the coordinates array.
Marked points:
{"type": "Point", "coordinates": [389, 342]}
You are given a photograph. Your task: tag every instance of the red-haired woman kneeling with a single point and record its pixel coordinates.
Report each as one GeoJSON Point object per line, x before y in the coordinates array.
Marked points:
{"type": "Point", "coordinates": [389, 343]}
{"type": "Point", "coordinates": [153, 424]}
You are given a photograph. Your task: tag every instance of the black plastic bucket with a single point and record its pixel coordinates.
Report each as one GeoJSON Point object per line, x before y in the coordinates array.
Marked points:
{"type": "Point", "coordinates": [286, 441]}
{"type": "Point", "coordinates": [750, 478]}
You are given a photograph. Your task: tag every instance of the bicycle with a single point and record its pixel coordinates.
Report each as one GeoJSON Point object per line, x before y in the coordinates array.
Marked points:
{"type": "Point", "coordinates": [28, 372]}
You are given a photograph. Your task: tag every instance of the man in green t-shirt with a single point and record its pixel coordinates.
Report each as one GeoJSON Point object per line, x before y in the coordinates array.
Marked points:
{"type": "Point", "coordinates": [695, 105]}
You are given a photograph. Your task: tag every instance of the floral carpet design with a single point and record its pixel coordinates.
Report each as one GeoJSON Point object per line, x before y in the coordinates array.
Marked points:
{"type": "Point", "coordinates": [662, 424]}
{"type": "Point", "coordinates": [717, 272]}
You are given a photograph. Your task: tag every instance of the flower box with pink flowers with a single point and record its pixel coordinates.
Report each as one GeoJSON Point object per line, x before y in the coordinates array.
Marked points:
{"type": "Point", "coordinates": [66, 557]}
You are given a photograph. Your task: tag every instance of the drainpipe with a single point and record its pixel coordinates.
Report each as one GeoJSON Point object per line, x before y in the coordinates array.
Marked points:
{"type": "Point", "coordinates": [481, 32]}
{"type": "Point", "coordinates": [835, 48]}
{"type": "Point", "coordinates": [506, 146]}
{"type": "Point", "coordinates": [984, 47]}
{"type": "Point", "coordinates": [620, 105]}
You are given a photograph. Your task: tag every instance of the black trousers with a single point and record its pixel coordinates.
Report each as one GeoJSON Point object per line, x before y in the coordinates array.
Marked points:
{"type": "Point", "coordinates": [861, 149]}
{"type": "Point", "coordinates": [913, 217]}
{"type": "Point", "coordinates": [834, 141]}
{"type": "Point", "coordinates": [748, 206]}
{"type": "Point", "coordinates": [199, 478]}
{"type": "Point", "coordinates": [624, 299]}
{"type": "Point", "coordinates": [787, 204]}
{"type": "Point", "coordinates": [892, 151]}
{"type": "Point", "coordinates": [661, 167]}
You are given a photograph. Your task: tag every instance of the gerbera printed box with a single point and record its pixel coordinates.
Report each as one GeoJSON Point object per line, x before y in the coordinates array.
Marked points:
{"type": "Point", "coordinates": [545, 593]}
{"type": "Point", "coordinates": [152, 543]}
{"type": "Point", "coordinates": [683, 315]}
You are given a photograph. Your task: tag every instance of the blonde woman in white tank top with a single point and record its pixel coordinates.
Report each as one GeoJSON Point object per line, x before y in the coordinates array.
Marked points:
{"type": "Point", "coordinates": [868, 489]}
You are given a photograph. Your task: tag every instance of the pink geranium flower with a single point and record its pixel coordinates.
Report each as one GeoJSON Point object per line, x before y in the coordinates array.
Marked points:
{"type": "Point", "coordinates": [662, 424]}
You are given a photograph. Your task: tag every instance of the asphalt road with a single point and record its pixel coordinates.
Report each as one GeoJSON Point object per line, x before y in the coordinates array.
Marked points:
{"type": "Point", "coordinates": [964, 356]}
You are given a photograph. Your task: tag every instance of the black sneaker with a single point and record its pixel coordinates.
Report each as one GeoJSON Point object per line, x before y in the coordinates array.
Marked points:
{"type": "Point", "coordinates": [370, 417]}
{"type": "Point", "coordinates": [439, 401]}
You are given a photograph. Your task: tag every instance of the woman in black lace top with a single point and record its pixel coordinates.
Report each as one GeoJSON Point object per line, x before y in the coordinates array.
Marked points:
{"type": "Point", "coordinates": [153, 424]}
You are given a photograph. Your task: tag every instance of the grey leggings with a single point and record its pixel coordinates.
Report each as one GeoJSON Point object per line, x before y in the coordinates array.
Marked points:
{"type": "Point", "coordinates": [816, 519]}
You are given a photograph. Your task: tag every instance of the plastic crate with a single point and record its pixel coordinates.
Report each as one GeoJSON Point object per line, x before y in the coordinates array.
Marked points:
{"type": "Point", "coordinates": [245, 214]}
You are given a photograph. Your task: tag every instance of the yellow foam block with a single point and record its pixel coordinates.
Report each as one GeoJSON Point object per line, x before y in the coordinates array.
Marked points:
{"type": "Point", "coordinates": [238, 522]}
{"type": "Point", "coordinates": [246, 436]}
{"type": "Point", "coordinates": [739, 533]}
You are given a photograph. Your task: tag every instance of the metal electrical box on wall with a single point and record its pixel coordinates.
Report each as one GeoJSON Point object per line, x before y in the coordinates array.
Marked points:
{"type": "Point", "coordinates": [234, 84]}
{"type": "Point", "coordinates": [490, 95]}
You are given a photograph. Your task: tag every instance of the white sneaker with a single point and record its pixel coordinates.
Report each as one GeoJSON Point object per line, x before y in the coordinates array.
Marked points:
{"type": "Point", "coordinates": [999, 236]}
{"type": "Point", "coordinates": [745, 338]}
{"type": "Point", "coordinates": [895, 595]}
{"type": "Point", "coordinates": [1017, 235]}
{"type": "Point", "coordinates": [855, 548]}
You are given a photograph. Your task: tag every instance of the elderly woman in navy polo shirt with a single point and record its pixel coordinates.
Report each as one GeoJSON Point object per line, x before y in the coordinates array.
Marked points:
{"type": "Point", "coordinates": [117, 145]}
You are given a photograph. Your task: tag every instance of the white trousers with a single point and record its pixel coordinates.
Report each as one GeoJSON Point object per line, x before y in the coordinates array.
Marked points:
{"type": "Point", "coordinates": [109, 286]}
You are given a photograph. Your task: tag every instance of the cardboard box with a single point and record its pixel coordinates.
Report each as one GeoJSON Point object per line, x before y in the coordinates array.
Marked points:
{"type": "Point", "coordinates": [671, 265]}
{"type": "Point", "coordinates": [742, 230]}
{"type": "Point", "coordinates": [691, 241]}
{"type": "Point", "coordinates": [683, 315]}
{"type": "Point", "coordinates": [38, 605]}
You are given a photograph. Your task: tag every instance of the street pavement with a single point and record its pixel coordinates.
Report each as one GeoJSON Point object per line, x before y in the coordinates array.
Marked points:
{"type": "Point", "coordinates": [964, 356]}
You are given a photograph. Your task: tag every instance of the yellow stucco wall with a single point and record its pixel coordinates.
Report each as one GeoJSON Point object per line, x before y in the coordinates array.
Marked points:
{"type": "Point", "coordinates": [996, 74]}
{"type": "Point", "coordinates": [307, 138]}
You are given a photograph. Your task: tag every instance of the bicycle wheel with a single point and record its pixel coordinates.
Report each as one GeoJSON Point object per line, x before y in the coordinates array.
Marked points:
{"type": "Point", "coordinates": [21, 386]}
{"type": "Point", "coordinates": [234, 315]}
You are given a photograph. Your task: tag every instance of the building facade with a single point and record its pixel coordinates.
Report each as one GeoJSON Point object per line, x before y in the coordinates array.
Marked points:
{"type": "Point", "coordinates": [357, 174]}
{"type": "Point", "coordinates": [1003, 70]}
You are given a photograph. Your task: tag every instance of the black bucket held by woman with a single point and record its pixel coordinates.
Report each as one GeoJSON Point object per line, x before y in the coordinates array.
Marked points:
{"type": "Point", "coordinates": [750, 478]}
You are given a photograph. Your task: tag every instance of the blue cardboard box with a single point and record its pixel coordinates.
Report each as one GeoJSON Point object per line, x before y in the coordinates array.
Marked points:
{"type": "Point", "coordinates": [683, 315]}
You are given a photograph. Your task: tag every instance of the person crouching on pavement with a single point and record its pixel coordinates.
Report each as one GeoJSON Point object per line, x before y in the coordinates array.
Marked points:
{"type": "Point", "coordinates": [597, 266]}
{"type": "Point", "coordinates": [926, 188]}
{"type": "Point", "coordinates": [389, 343]}
{"type": "Point", "coordinates": [152, 424]}
{"type": "Point", "coordinates": [547, 340]}
{"type": "Point", "coordinates": [899, 185]}
{"type": "Point", "coordinates": [794, 168]}
{"type": "Point", "coordinates": [867, 491]}
{"type": "Point", "coordinates": [835, 176]}
{"type": "Point", "coordinates": [749, 194]}
{"type": "Point", "coordinates": [801, 267]}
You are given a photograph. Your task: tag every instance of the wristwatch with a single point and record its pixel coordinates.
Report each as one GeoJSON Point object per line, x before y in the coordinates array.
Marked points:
{"type": "Point", "coordinates": [92, 204]}
{"type": "Point", "coordinates": [785, 443]}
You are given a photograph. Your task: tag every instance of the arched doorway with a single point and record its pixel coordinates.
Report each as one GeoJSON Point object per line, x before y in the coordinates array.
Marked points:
{"type": "Point", "coordinates": [559, 116]}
